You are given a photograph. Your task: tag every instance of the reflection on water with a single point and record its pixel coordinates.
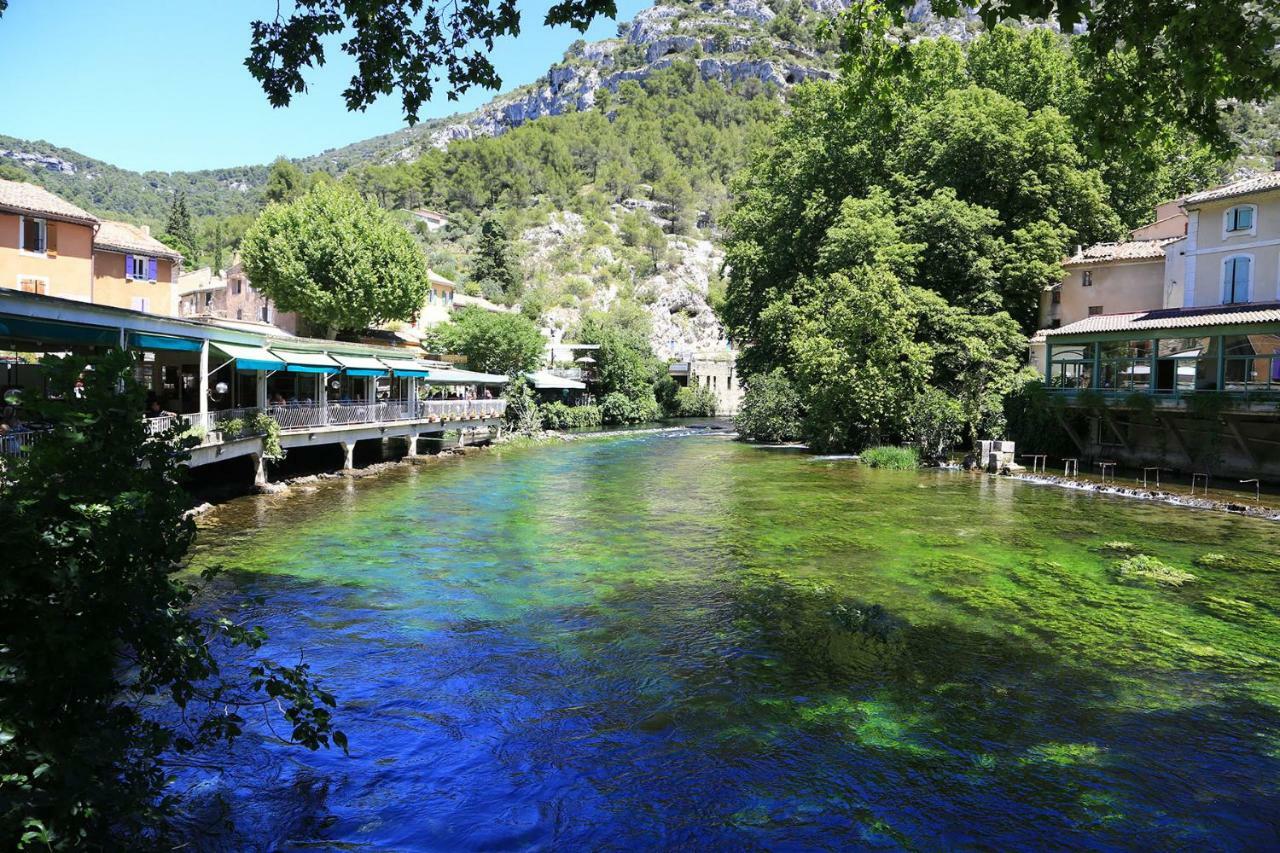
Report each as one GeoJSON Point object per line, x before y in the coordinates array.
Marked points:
{"type": "Point", "coordinates": [673, 640]}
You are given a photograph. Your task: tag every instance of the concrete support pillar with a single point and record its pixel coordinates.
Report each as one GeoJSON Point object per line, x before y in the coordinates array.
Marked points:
{"type": "Point", "coordinates": [203, 371]}
{"type": "Point", "coordinates": [413, 442]}
{"type": "Point", "coordinates": [322, 397]}
{"type": "Point", "coordinates": [371, 389]}
{"type": "Point", "coordinates": [348, 455]}
{"type": "Point", "coordinates": [259, 469]}
{"type": "Point", "coordinates": [261, 389]}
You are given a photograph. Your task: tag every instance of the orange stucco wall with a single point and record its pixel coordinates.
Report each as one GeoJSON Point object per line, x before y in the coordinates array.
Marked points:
{"type": "Point", "coordinates": [110, 287]}
{"type": "Point", "coordinates": [70, 274]}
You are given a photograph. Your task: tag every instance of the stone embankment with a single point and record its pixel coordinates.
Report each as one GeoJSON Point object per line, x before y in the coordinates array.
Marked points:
{"type": "Point", "coordinates": [1158, 495]}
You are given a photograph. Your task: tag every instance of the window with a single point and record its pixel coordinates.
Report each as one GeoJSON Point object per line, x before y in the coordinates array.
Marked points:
{"type": "Point", "coordinates": [235, 286]}
{"type": "Point", "coordinates": [35, 235]}
{"type": "Point", "coordinates": [1086, 278]}
{"type": "Point", "coordinates": [239, 313]}
{"type": "Point", "coordinates": [136, 267]}
{"type": "Point", "coordinates": [1094, 310]}
{"type": "Point", "coordinates": [1072, 366]}
{"type": "Point", "coordinates": [266, 313]}
{"type": "Point", "coordinates": [1056, 298]}
{"type": "Point", "coordinates": [33, 284]}
{"type": "Point", "coordinates": [1236, 275]}
{"type": "Point", "coordinates": [1125, 365]}
{"type": "Point", "coordinates": [1239, 219]}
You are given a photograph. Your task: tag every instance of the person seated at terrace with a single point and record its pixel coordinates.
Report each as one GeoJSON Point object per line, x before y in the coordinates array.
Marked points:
{"type": "Point", "coordinates": [277, 399]}
{"type": "Point", "coordinates": [155, 410]}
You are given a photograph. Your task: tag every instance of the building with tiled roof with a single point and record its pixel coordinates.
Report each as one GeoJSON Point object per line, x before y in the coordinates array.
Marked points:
{"type": "Point", "coordinates": [1129, 250]}
{"type": "Point", "coordinates": [1263, 183]}
{"type": "Point", "coordinates": [123, 237]}
{"type": "Point", "coordinates": [23, 198]}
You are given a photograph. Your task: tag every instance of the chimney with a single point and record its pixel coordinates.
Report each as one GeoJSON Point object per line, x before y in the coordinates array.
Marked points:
{"type": "Point", "coordinates": [146, 230]}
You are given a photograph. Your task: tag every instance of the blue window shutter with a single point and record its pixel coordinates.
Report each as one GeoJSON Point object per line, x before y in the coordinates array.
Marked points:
{"type": "Point", "coordinates": [128, 266]}
{"type": "Point", "coordinates": [152, 263]}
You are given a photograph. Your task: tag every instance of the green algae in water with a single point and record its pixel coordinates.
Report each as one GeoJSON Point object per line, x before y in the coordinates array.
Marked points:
{"type": "Point", "coordinates": [1144, 567]}
{"type": "Point", "coordinates": [690, 641]}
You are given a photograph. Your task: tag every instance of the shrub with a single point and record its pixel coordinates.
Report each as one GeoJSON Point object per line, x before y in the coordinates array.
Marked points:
{"type": "Point", "coordinates": [695, 402]}
{"type": "Point", "coordinates": [897, 458]}
{"type": "Point", "coordinates": [522, 413]}
{"type": "Point", "coordinates": [618, 408]}
{"type": "Point", "coordinates": [770, 409]}
{"type": "Point", "coordinates": [232, 428]}
{"type": "Point", "coordinates": [559, 416]}
{"type": "Point", "coordinates": [266, 426]}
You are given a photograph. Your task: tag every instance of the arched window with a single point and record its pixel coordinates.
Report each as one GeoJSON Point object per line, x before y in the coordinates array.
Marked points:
{"type": "Point", "coordinates": [1240, 219]}
{"type": "Point", "coordinates": [1237, 276]}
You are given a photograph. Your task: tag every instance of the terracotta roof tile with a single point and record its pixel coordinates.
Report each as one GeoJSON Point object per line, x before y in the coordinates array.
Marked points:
{"type": "Point", "coordinates": [29, 198]}
{"type": "Point", "coordinates": [1131, 250]}
{"type": "Point", "coordinates": [1257, 183]}
{"type": "Point", "coordinates": [123, 237]}
{"type": "Point", "coordinates": [1172, 318]}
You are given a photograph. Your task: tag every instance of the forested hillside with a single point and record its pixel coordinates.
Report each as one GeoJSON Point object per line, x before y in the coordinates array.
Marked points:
{"type": "Point", "coordinates": [605, 183]}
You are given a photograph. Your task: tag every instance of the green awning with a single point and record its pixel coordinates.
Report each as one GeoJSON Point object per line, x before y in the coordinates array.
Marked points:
{"type": "Point", "coordinates": [44, 331]}
{"type": "Point", "coordinates": [249, 357]}
{"type": "Point", "coordinates": [360, 365]}
{"type": "Point", "coordinates": [306, 362]}
{"type": "Point", "coordinates": [142, 340]}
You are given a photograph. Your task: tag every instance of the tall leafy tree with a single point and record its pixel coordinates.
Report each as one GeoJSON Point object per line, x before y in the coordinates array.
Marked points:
{"type": "Point", "coordinates": [285, 182]}
{"type": "Point", "coordinates": [179, 233]}
{"type": "Point", "coordinates": [494, 259]}
{"type": "Point", "coordinates": [107, 673]}
{"type": "Point", "coordinates": [494, 342]}
{"type": "Point", "coordinates": [339, 261]}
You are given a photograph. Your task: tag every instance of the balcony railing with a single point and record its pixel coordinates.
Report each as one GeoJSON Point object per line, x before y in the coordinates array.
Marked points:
{"type": "Point", "coordinates": [295, 417]}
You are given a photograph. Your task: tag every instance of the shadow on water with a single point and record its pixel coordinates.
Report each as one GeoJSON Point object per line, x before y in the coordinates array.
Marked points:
{"type": "Point", "coordinates": [614, 647]}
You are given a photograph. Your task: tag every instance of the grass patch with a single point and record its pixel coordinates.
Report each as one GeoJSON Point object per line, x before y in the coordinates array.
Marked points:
{"type": "Point", "coordinates": [1142, 567]}
{"type": "Point", "coordinates": [897, 458]}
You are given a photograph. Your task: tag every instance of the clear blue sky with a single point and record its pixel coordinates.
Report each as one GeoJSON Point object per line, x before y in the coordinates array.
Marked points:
{"type": "Point", "coordinates": [161, 84]}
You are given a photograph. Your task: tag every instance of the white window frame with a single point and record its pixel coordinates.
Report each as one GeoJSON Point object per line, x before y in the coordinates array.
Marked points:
{"type": "Point", "coordinates": [1251, 231]}
{"type": "Point", "coordinates": [146, 268]}
{"type": "Point", "coordinates": [1248, 292]}
{"type": "Point", "coordinates": [20, 278]}
{"type": "Point", "coordinates": [44, 237]}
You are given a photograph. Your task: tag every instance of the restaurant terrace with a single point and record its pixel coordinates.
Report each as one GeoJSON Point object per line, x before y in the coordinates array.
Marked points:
{"type": "Point", "coordinates": [208, 375]}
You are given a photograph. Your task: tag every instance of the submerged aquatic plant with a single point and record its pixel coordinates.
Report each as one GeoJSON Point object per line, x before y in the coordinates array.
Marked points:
{"type": "Point", "coordinates": [1120, 547]}
{"type": "Point", "coordinates": [1146, 567]}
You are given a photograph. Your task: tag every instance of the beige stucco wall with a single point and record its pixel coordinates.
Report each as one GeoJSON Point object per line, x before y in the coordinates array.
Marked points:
{"type": "Point", "coordinates": [1208, 247]}
{"type": "Point", "coordinates": [110, 287]}
{"type": "Point", "coordinates": [1118, 287]}
{"type": "Point", "coordinates": [69, 274]}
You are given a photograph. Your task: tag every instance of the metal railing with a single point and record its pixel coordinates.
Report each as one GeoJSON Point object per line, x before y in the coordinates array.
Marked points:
{"type": "Point", "coordinates": [14, 443]}
{"type": "Point", "coordinates": [1240, 395]}
{"type": "Point", "coordinates": [301, 416]}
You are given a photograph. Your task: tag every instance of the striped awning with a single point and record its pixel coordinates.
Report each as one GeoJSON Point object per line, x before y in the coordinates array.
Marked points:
{"type": "Point", "coordinates": [306, 362]}
{"type": "Point", "coordinates": [249, 357]}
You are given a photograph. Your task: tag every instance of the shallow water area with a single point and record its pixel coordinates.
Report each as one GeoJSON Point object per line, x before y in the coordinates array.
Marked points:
{"type": "Point", "coordinates": [670, 639]}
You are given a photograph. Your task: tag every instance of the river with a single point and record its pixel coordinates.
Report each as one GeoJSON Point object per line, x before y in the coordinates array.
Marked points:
{"type": "Point", "coordinates": [677, 640]}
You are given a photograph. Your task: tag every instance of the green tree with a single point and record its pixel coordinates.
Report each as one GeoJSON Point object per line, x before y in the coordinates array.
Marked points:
{"type": "Point", "coordinates": [337, 260]}
{"type": "Point", "coordinates": [285, 182]}
{"type": "Point", "coordinates": [494, 259]}
{"type": "Point", "coordinates": [179, 233]}
{"type": "Point", "coordinates": [494, 342]}
{"type": "Point", "coordinates": [770, 408]}
{"type": "Point", "coordinates": [625, 361]}
{"type": "Point", "coordinates": [107, 674]}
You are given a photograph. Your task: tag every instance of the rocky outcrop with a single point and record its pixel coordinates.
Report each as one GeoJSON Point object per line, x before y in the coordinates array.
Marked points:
{"type": "Point", "coordinates": [675, 296]}
{"type": "Point", "coordinates": [656, 38]}
{"type": "Point", "coordinates": [39, 161]}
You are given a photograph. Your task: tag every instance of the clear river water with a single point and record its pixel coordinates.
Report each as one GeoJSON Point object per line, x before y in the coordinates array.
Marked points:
{"type": "Point", "coordinates": [677, 640]}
